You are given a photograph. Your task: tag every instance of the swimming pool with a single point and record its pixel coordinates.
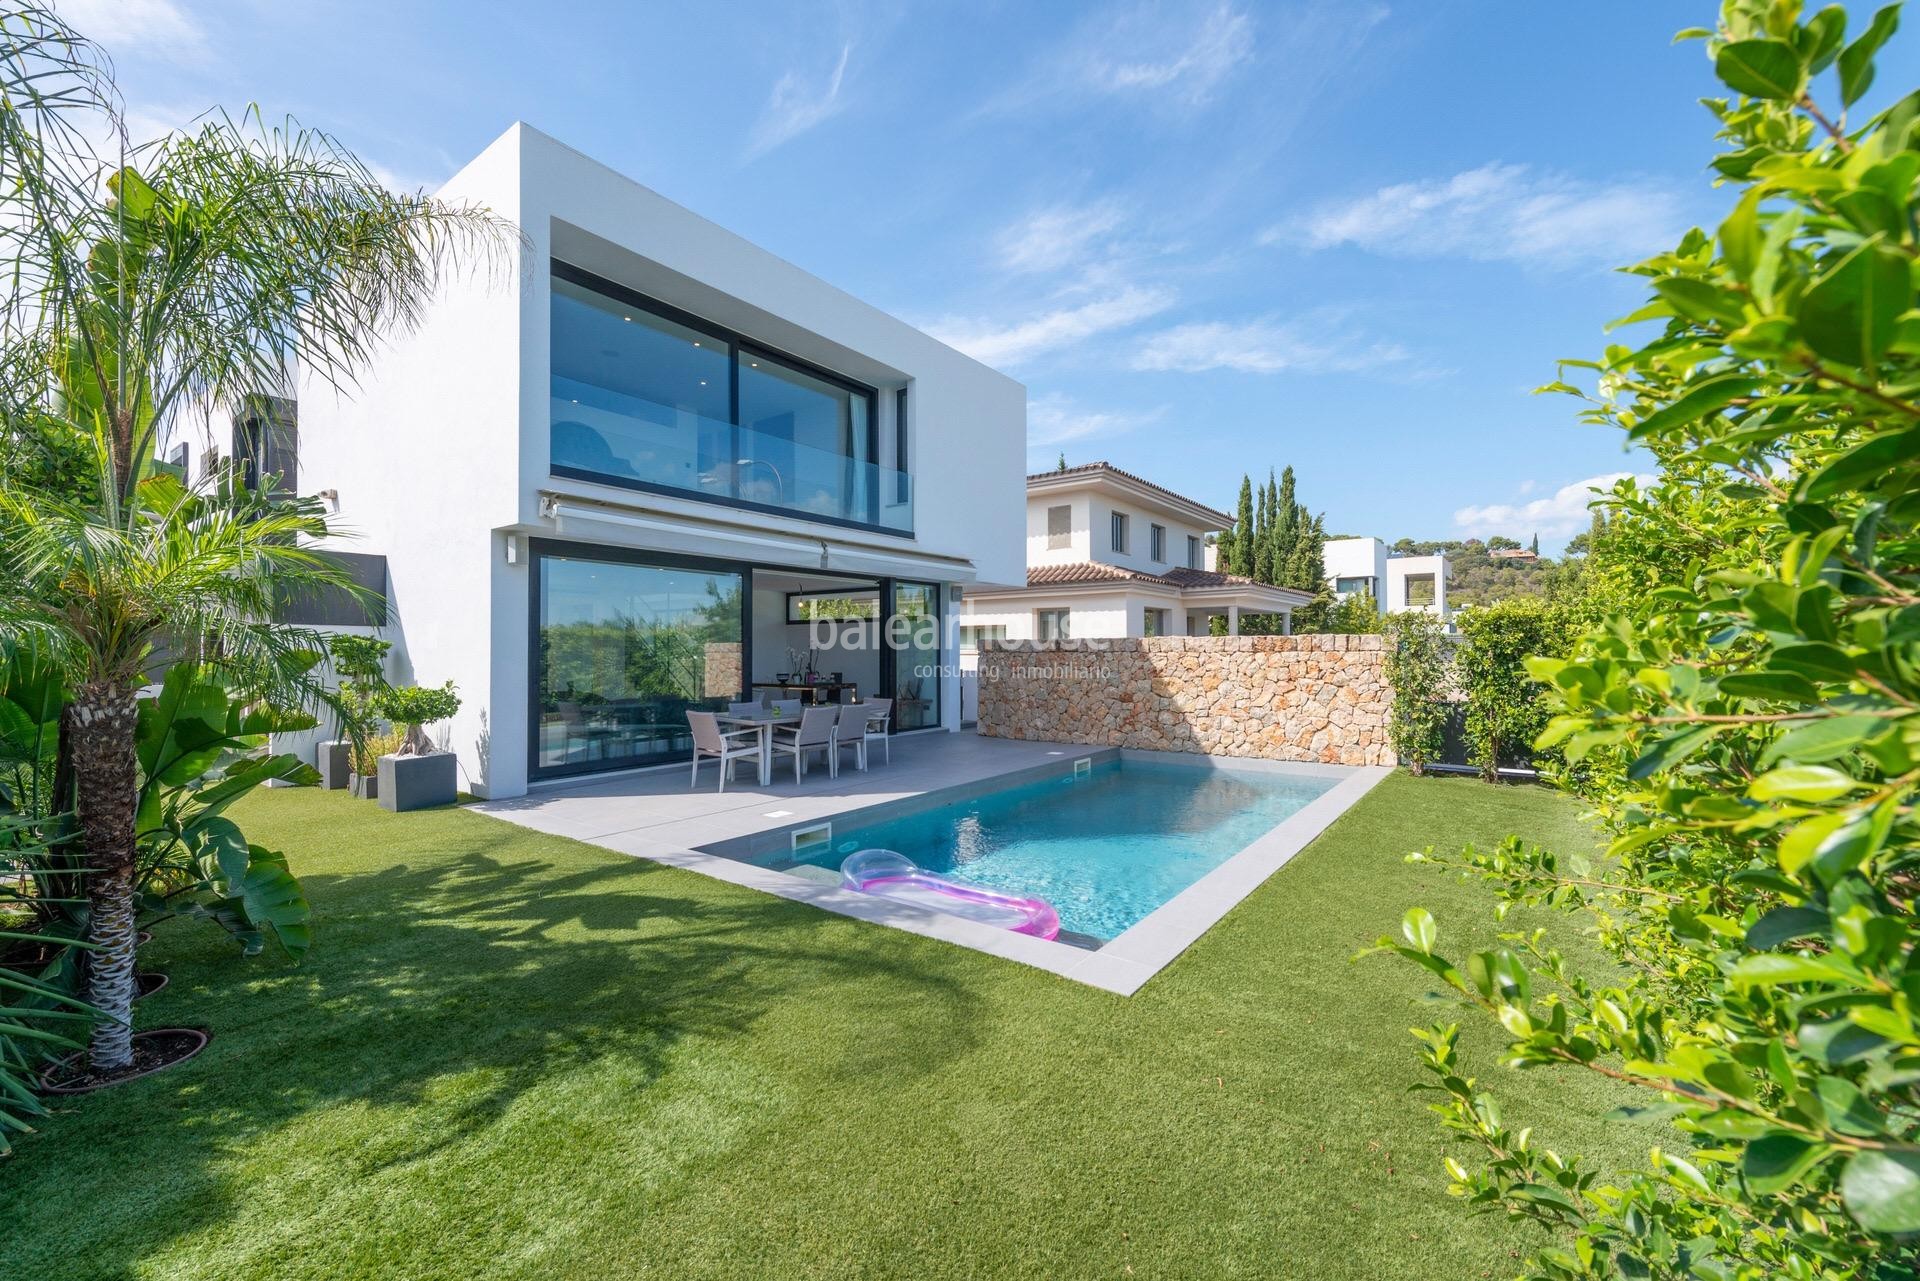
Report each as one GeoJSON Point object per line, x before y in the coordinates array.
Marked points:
{"type": "Point", "coordinates": [1105, 848]}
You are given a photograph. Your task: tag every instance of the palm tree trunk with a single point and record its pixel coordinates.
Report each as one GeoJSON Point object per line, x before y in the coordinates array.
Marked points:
{"type": "Point", "coordinates": [102, 718]}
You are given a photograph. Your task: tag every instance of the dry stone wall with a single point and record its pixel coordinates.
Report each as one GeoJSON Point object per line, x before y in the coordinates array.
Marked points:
{"type": "Point", "coordinates": [1283, 698]}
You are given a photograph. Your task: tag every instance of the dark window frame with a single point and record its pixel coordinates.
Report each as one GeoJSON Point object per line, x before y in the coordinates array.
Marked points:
{"type": "Point", "coordinates": [1157, 543]}
{"type": "Point", "coordinates": [540, 548]}
{"type": "Point", "coordinates": [736, 343]}
{"type": "Point", "coordinates": [903, 484]}
{"type": "Point", "coordinates": [1120, 532]}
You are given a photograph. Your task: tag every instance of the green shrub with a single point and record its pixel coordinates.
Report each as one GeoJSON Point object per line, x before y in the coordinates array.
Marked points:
{"type": "Point", "coordinates": [413, 707]}
{"type": "Point", "coordinates": [1506, 708]}
{"type": "Point", "coordinates": [1419, 660]}
{"type": "Point", "coordinates": [1747, 717]}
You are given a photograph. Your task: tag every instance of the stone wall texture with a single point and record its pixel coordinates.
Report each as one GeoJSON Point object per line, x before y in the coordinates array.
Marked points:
{"type": "Point", "coordinates": [1284, 698]}
{"type": "Point", "coordinates": [721, 676]}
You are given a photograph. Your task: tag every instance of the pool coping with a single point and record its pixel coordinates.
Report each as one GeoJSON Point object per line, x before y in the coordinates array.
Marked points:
{"type": "Point", "coordinates": [1124, 964]}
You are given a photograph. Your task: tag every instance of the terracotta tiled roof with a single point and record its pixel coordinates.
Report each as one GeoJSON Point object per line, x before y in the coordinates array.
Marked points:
{"type": "Point", "coordinates": [1089, 572]}
{"type": "Point", "coordinates": [1096, 572]}
{"type": "Point", "coordinates": [1108, 469]}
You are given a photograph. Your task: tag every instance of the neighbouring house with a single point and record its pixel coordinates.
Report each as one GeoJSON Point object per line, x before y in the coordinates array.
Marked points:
{"type": "Point", "coordinates": [1397, 582]}
{"type": "Point", "coordinates": [1111, 555]}
{"type": "Point", "coordinates": [1518, 555]}
{"type": "Point", "coordinates": [650, 468]}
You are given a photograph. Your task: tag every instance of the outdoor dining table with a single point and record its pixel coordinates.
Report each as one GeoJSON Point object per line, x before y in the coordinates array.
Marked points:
{"type": "Point", "coordinates": [763, 723]}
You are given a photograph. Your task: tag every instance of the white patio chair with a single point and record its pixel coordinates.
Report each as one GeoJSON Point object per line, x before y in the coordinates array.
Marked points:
{"type": "Point", "coordinates": [812, 733]}
{"type": "Point", "coordinates": [863, 723]}
{"type": "Point", "coordinates": [744, 709]}
{"type": "Point", "coordinates": [710, 743]}
{"type": "Point", "coordinates": [788, 707]}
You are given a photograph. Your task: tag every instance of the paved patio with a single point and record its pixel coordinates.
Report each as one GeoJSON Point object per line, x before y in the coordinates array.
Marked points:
{"type": "Point", "coordinates": [654, 815]}
{"type": "Point", "coordinates": [643, 812]}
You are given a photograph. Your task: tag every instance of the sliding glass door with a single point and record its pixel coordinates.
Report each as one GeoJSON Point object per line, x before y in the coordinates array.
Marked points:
{"type": "Point", "coordinates": [915, 631]}
{"type": "Point", "coordinates": [623, 649]}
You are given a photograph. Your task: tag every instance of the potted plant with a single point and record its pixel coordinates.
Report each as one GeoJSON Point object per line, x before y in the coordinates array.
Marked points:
{"type": "Point", "coordinates": [419, 773]}
{"type": "Point", "coordinates": [361, 664]}
{"type": "Point", "coordinates": [364, 754]}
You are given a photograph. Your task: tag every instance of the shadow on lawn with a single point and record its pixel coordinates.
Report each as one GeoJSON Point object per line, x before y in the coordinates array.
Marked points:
{"type": "Point", "coordinates": [469, 970]}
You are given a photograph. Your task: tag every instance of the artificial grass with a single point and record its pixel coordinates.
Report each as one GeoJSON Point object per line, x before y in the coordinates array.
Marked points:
{"type": "Point", "coordinates": [510, 1055]}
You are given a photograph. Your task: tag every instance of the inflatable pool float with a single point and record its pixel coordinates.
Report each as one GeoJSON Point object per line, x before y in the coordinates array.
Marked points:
{"type": "Point", "coordinates": [886, 874]}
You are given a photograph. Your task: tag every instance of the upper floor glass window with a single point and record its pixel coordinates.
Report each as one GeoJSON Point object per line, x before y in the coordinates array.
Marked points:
{"type": "Point", "coordinates": [1120, 532]}
{"type": "Point", "coordinates": [1195, 557]}
{"type": "Point", "coordinates": [1157, 543]}
{"type": "Point", "coordinates": [652, 398]}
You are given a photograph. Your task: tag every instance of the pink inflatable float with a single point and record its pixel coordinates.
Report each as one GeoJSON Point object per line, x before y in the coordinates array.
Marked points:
{"type": "Point", "coordinates": [886, 874]}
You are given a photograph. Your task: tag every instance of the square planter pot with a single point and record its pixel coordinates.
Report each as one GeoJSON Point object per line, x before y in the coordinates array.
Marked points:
{"type": "Point", "coordinates": [364, 786]}
{"type": "Point", "coordinates": [418, 782]}
{"type": "Point", "coordinates": [331, 759]}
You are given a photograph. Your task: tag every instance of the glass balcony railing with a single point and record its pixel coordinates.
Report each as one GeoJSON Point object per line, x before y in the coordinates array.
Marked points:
{"type": "Point", "coordinates": [707, 458]}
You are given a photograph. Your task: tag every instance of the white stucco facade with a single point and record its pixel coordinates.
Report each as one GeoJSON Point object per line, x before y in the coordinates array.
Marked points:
{"type": "Point", "coordinates": [1396, 582]}
{"type": "Point", "coordinates": [440, 459]}
{"type": "Point", "coordinates": [1111, 555]}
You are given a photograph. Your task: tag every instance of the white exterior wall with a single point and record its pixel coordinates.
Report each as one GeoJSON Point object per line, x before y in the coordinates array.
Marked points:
{"type": "Point", "coordinates": [442, 454]}
{"type": "Point", "coordinates": [1400, 568]}
{"type": "Point", "coordinates": [1358, 558]}
{"type": "Point", "coordinates": [1097, 615]}
{"type": "Point", "coordinates": [1091, 538]}
{"type": "Point", "coordinates": [1079, 548]}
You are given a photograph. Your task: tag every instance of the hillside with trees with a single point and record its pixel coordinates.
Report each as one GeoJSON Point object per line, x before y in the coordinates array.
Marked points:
{"type": "Point", "coordinates": [1481, 576]}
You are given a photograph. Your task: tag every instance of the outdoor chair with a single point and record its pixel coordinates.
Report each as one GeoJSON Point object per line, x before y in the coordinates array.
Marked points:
{"type": "Point", "coordinates": [710, 743]}
{"type": "Point", "coordinates": [863, 723]}
{"type": "Point", "coordinates": [744, 709]}
{"type": "Point", "coordinates": [812, 733]}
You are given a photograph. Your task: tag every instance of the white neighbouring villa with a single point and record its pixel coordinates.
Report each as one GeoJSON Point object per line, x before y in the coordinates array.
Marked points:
{"type": "Point", "coordinates": [620, 482]}
{"type": "Point", "coordinates": [1111, 555]}
{"type": "Point", "coordinates": [1397, 582]}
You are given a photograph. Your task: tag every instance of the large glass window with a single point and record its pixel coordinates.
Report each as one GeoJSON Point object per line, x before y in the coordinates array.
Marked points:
{"type": "Point", "coordinates": [624, 651]}
{"type": "Point", "coordinates": [916, 630]}
{"type": "Point", "coordinates": [646, 396]}
{"type": "Point", "coordinates": [805, 441]}
{"type": "Point", "coordinates": [1053, 624]}
{"type": "Point", "coordinates": [639, 396]}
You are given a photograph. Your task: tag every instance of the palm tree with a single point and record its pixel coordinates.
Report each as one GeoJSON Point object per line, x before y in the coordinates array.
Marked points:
{"type": "Point", "coordinates": [148, 283]}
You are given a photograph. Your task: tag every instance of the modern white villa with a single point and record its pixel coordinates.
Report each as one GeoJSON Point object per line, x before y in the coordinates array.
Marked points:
{"type": "Point", "coordinates": [649, 467]}
{"type": "Point", "coordinates": [1397, 582]}
{"type": "Point", "coordinates": [1112, 555]}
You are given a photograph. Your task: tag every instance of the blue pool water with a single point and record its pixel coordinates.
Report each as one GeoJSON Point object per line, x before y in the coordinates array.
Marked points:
{"type": "Point", "coordinates": [1105, 850]}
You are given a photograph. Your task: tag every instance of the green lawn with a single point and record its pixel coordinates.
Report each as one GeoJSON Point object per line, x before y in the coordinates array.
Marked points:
{"type": "Point", "coordinates": [510, 1055]}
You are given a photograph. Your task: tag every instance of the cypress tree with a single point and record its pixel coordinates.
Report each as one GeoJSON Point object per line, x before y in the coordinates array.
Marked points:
{"type": "Point", "coordinates": [1286, 524]}
{"type": "Point", "coordinates": [1241, 561]}
{"type": "Point", "coordinates": [1261, 571]}
{"type": "Point", "coordinates": [1535, 549]}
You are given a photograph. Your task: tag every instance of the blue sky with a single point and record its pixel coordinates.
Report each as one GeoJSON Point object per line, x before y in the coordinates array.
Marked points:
{"type": "Point", "coordinates": [1209, 237]}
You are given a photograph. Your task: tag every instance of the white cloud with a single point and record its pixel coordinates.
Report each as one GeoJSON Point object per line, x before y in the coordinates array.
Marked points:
{"type": "Point", "coordinates": [797, 105]}
{"type": "Point", "coordinates": [1172, 56]}
{"type": "Point", "coordinates": [1261, 347]}
{"type": "Point", "coordinates": [1002, 343]}
{"type": "Point", "coordinates": [1054, 420]}
{"type": "Point", "coordinates": [1132, 58]}
{"type": "Point", "coordinates": [1497, 212]}
{"type": "Point", "coordinates": [1559, 516]}
{"type": "Point", "coordinates": [1056, 237]}
{"type": "Point", "coordinates": [130, 28]}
